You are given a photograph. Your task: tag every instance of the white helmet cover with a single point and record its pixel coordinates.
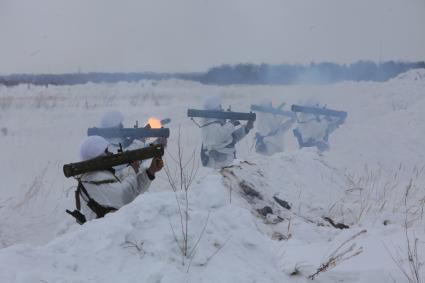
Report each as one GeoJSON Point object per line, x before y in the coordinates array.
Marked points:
{"type": "Point", "coordinates": [212, 103]}
{"type": "Point", "coordinates": [92, 147]}
{"type": "Point", "coordinates": [111, 119]}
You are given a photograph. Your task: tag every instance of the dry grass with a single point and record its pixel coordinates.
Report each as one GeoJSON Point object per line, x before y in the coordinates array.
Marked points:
{"type": "Point", "coordinates": [412, 269]}
{"type": "Point", "coordinates": [375, 194]}
{"type": "Point", "coordinates": [342, 253]}
{"type": "Point", "coordinates": [180, 181]}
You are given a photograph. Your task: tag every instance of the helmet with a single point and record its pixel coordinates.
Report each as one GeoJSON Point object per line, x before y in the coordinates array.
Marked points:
{"type": "Point", "coordinates": [212, 103]}
{"type": "Point", "coordinates": [111, 119]}
{"type": "Point", "coordinates": [92, 147]}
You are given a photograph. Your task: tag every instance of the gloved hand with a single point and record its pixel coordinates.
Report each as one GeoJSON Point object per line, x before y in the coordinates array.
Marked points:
{"type": "Point", "coordinates": [156, 165]}
{"type": "Point", "coordinates": [135, 165]}
{"type": "Point", "coordinates": [249, 125]}
{"type": "Point", "coordinates": [235, 122]}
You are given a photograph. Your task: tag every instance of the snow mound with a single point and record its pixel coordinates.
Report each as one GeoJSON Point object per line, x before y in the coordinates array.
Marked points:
{"type": "Point", "coordinates": [415, 75]}
{"type": "Point", "coordinates": [137, 244]}
{"type": "Point", "coordinates": [326, 195]}
{"type": "Point", "coordinates": [283, 176]}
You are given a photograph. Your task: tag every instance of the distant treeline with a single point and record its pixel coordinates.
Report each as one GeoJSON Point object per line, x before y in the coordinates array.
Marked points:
{"type": "Point", "coordinates": [284, 74]}
{"type": "Point", "coordinates": [305, 74]}
{"type": "Point", "coordinates": [82, 78]}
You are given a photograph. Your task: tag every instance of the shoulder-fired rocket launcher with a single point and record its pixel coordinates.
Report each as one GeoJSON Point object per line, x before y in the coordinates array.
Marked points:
{"type": "Point", "coordinates": [220, 114]}
{"type": "Point", "coordinates": [108, 161]}
{"type": "Point", "coordinates": [319, 111]}
{"type": "Point", "coordinates": [131, 133]}
{"type": "Point", "coordinates": [272, 110]}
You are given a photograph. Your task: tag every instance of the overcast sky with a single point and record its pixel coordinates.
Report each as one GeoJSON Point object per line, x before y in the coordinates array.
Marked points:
{"type": "Point", "coordinates": [57, 36]}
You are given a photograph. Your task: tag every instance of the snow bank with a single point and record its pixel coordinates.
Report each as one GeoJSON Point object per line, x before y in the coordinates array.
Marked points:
{"type": "Point", "coordinates": [231, 237]}
{"type": "Point", "coordinates": [416, 75]}
{"type": "Point", "coordinates": [230, 248]}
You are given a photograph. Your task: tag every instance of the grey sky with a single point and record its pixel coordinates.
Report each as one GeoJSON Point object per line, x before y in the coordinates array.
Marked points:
{"type": "Point", "coordinates": [57, 36]}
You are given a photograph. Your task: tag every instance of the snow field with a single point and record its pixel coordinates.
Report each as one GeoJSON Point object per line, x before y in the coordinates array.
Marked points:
{"type": "Point", "coordinates": [360, 182]}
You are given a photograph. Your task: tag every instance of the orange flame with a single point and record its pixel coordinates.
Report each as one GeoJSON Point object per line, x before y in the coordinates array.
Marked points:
{"type": "Point", "coordinates": [154, 123]}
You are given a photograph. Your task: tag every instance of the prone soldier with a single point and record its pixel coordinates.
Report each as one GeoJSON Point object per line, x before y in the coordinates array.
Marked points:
{"type": "Point", "coordinates": [99, 190]}
{"type": "Point", "coordinates": [272, 124]}
{"type": "Point", "coordinates": [221, 131]}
